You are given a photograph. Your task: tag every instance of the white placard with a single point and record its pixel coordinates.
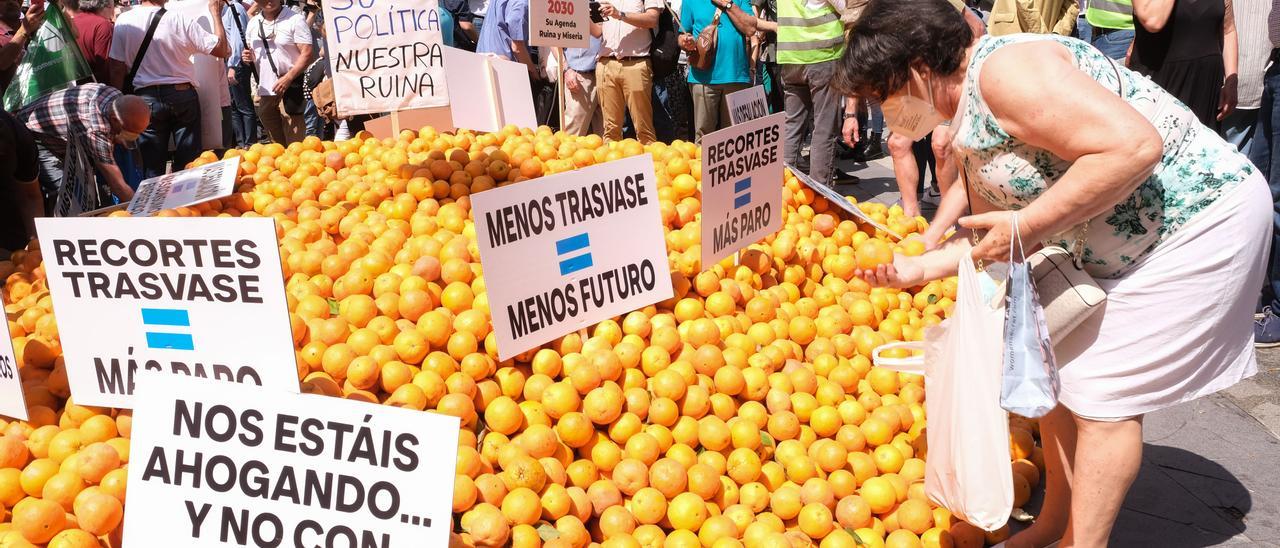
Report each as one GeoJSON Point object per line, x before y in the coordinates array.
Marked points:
{"type": "Point", "coordinates": [514, 93]}
{"type": "Point", "coordinates": [386, 55]}
{"type": "Point", "coordinates": [184, 188]}
{"type": "Point", "coordinates": [835, 197]}
{"type": "Point", "coordinates": [741, 186]}
{"type": "Point", "coordinates": [559, 23]}
{"type": "Point", "coordinates": [219, 464]}
{"type": "Point", "coordinates": [747, 104]}
{"type": "Point", "coordinates": [13, 403]}
{"type": "Point", "coordinates": [196, 296]}
{"type": "Point", "coordinates": [566, 251]}
{"type": "Point", "coordinates": [487, 92]}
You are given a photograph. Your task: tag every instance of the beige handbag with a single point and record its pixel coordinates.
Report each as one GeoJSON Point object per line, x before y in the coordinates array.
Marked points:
{"type": "Point", "coordinates": [1068, 294]}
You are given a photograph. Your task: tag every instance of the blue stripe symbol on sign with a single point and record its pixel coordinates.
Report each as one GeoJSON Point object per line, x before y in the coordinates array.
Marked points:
{"type": "Point", "coordinates": [569, 245]}
{"type": "Point", "coordinates": [167, 317]}
{"type": "Point", "coordinates": [742, 189]}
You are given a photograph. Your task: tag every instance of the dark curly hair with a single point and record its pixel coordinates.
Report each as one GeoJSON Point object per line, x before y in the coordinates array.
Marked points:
{"type": "Point", "coordinates": [891, 36]}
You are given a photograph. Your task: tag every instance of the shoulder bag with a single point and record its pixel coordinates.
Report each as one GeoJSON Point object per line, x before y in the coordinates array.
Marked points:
{"type": "Point", "coordinates": [142, 52]}
{"type": "Point", "coordinates": [294, 99]}
{"type": "Point", "coordinates": [664, 50]}
{"type": "Point", "coordinates": [1068, 294]}
{"type": "Point", "coordinates": [704, 45]}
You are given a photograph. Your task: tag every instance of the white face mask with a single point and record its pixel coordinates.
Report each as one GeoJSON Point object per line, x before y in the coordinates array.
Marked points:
{"type": "Point", "coordinates": [911, 116]}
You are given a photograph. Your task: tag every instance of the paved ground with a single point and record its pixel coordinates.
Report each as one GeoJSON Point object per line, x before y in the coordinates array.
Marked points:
{"type": "Point", "coordinates": [1211, 468]}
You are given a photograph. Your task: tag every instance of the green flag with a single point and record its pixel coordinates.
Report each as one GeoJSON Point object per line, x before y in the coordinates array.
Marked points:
{"type": "Point", "coordinates": [53, 61]}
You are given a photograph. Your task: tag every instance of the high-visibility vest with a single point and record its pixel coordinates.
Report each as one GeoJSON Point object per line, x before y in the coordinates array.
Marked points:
{"type": "Point", "coordinates": [807, 35]}
{"type": "Point", "coordinates": [1110, 14]}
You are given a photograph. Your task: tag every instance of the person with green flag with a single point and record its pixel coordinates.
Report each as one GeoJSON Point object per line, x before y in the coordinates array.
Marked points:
{"type": "Point", "coordinates": [15, 33]}
{"type": "Point", "coordinates": [52, 60]}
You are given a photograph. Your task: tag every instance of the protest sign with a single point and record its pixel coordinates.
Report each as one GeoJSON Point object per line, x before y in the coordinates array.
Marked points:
{"type": "Point", "coordinates": [741, 186]}
{"type": "Point", "coordinates": [387, 55]}
{"type": "Point", "coordinates": [220, 464]}
{"type": "Point", "coordinates": [747, 104]}
{"type": "Point", "coordinates": [13, 403]}
{"type": "Point", "coordinates": [195, 296]}
{"type": "Point", "coordinates": [184, 188]}
{"type": "Point", "coordinates": [570, 250]}
{"type": "Point", "coordinates": [839, 200]}
{"type": "Point", "coordinates": [387, 126]}
{"type": "Point", "coordinates": [559, 23]}
{"type": "Point", "coordinates": [487, 92]}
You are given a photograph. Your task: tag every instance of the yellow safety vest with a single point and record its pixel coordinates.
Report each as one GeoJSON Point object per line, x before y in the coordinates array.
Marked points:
{"type": "Point", "coordinates": [807, 35]}
{"type": "Point", "coordinates": [1110, 14]}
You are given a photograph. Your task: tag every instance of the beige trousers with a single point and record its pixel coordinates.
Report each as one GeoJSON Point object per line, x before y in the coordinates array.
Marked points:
{"type": "Point", "coordinates": [626, 85]}
{"type": "Point", "coordinates": [281, 127]}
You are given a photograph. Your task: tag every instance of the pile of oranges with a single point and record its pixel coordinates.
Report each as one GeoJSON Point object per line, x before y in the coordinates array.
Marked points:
{"type": "Point", "coordinates": [742, 412]}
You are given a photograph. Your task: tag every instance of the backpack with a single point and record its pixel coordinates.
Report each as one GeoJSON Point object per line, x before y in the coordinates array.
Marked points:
{"type": "Point", "coordinates": [664, 52]}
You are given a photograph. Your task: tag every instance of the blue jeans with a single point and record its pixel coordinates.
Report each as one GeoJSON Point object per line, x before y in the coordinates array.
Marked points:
{"type": "Point", "coordinates": [244, 120]}
{"type": "Point", "coordinates": [315, 124]}
{"type": "Point", "coordinates": [175, 116]}
{"type": "Point", "coordinates": [1238, 127]}
{"type": "Point", "coordinates": [1112, 43]}
{"type": "Point", "coordinates": [1084, 30]}
{"type": "Point", "coordinates": [1265, 149]}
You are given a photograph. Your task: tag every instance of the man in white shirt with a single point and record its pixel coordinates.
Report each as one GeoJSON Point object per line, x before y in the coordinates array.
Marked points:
{"type": "Point", "coordinates": [624, 76]}
{"type": "Point", "coordinates": [164, 76]}
{"type": "Point", "coordinates": [281, 49]}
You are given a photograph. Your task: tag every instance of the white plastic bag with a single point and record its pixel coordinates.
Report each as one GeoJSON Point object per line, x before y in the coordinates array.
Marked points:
{"type": "Point", "coordinates": [967, 470]}
{"type": "Point", "coordinates": [1029, 386]}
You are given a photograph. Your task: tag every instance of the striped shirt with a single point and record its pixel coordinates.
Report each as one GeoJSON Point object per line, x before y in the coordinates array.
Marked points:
{"type": "Point", "coordinates": [81, 110]}
{"type": "Point", "coordinates": [1254, 47]}
{"type": "Point", "coordinates": [1273, 23]}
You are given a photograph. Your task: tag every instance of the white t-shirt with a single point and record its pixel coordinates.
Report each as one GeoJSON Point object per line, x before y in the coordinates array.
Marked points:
{"type": "Point", "coordinates": [168, 58]}
{"type": "Point", "coordinates": [286, 33]}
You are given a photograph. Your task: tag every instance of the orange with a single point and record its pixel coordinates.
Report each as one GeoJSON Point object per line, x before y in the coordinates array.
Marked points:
{"type": "Point", "coordinates": [915, 516]}
{"type": "Point", "coordinates": [816, 520]}
{"type": "Point", "coordinates": [98, 513]}
{"type": "Point", "coordinates": [38, 520]}
{"type": "Point", "coordinates": [687, 511]}
{"type": "Point", "coordinates": [879, 494]}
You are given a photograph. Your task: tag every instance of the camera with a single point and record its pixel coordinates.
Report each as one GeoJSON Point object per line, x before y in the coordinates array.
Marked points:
{"type": "Point", "coordinates": [594, 8]}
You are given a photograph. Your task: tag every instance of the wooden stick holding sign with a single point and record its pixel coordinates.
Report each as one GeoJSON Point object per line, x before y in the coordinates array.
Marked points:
{"type": "Point", "coordinates": [835, 197]}
{"type": "Point", "coordinates": [561, 88]}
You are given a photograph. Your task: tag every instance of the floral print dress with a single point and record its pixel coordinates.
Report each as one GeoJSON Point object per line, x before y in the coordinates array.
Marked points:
{"type": "Point", "coordinates": [1196, 169]}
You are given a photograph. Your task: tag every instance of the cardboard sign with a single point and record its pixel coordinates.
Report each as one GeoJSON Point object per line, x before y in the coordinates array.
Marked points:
{"type": "Point", "coordinates": [569, 250]}
{"type": "Point", "coordinates": [387, 55]}
{"type": "Point", "coordinates": [195, 296]}
{"type": "Point", "coordinates": [437, 117]}
{"type": "Point", "coordinates": [747, 104]}
{"type": "Point", "coordinates": [79, 191]}
{"type": "Point", "coordinates": [741, 186]}
{"type": "Point", "coordinates": [13, 403]}
{"type": "Point", "coordinates": [219, 464]}
{"type": "Point", "coordinates": [838, 199]}
{"type": "Point", "coordinates": [184, 188]}
{"type": "Point", "coordinates": [488, 93]}
{"type": "Point", "coordinates": [559, 23]}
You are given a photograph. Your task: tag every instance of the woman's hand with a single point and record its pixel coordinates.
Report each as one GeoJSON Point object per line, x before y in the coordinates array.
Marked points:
{"type": "Point", "coordinates": [996, 243]}
{"type": "Point", "coordinates": [1227, 100]}
{"type": "Point", "coordinates": [903, 273]}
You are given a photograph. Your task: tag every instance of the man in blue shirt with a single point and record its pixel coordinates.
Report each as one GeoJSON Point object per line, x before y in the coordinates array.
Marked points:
{"type": "Point", "coordinates": [244, 119]}
{"type": "Point", "coordinates": [506, 32]}
{"type": "Point", "coordinates": [729, 70]}
{"type": "Point", "coordinates": [581, 106]}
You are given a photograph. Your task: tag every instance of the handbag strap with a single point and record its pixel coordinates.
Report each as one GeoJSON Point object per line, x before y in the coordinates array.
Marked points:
{"type": "Point", "coordinates": [267, 44]}
{"type": "Point", "coordinates": [142, 49]}
{"type": "Point", "coordinates": [235, 18]}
